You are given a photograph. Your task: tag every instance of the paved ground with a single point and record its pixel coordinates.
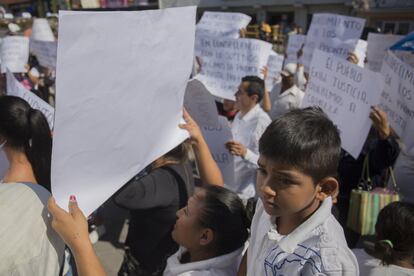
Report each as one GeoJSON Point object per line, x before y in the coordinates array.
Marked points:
{"type": "Point", "coordinates": [109, 247]}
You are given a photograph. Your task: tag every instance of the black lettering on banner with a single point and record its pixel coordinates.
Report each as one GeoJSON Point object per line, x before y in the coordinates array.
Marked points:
{"type": "Point", "coordinates": [405, 92]}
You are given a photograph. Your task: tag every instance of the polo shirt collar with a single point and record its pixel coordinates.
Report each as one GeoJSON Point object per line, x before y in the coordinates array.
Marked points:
{"type": "Point", "coordinates": [289, 242]}
{"type": "Point", "coordinates": [249, 115]}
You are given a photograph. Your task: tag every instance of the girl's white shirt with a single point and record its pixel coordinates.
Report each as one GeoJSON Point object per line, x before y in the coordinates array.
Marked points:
{"type": "Point", "coordinates": [29, 245]}
{"type": "Point", "coordinates": [225, 265]}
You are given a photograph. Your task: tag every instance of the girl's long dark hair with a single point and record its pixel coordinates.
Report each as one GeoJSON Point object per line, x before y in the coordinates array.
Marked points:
{"type": "Point", "coordinates": [26, 129]}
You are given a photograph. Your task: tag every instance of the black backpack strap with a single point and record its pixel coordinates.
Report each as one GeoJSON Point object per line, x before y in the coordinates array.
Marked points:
{"type": "Point", "coordinates": [182, 187]}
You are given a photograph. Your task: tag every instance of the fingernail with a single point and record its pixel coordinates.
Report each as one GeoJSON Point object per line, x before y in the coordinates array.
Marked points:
{"type": "Point", "coordinates": [72, 198]}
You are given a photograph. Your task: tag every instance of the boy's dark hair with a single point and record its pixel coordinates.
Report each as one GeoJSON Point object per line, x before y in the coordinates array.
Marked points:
{"type": "Point", "coordinates": [256, 86]}
{"type": "Point", "coordinates": [395, 233]}
{"type": "Point", "coordinates": [27, 130]}
{"type": "Point", "coordinates": [305, 139]}
{"type": "Point", "coordinates": [223, 212]}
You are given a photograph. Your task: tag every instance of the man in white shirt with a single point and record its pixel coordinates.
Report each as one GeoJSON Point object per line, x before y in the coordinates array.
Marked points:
{"type": "Point", "coordinates": [247, 128]}
{"type": "Point", "coordinates": [290, 96]}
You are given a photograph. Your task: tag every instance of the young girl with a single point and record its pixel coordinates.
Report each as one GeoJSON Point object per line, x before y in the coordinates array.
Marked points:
{"type": "Point", "coordinates": [29, 246]}
{"type": "Point", "coordinates": [394, 245]}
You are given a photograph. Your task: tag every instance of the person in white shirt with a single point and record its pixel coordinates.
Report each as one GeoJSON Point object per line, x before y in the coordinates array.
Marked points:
{"type": "Point", "coordinates": [394, 246]}
{"type": "Point", "coordinates": [248, 125]}
{"type": "Point", "coordinates": [293, 231]}
{"type": "Point", "coordinates": [290, 96]}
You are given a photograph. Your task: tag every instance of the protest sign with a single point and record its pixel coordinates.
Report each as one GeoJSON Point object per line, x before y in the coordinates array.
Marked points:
{"type": "Point", "coordinates": [123, 112]}
{"type": "Point", "coordinates": [397, 98]}
{"type": "Point", "coordinates": [45, 51]}
{"type": "Point", "coordinates": [14, 88]}
{"type": "Point", "coordinates": [346, 93]}
{"type": "Point", "coordinates": [222, 24]}
{"type": "Point", "coordinates": [14, 54]}
{"type": "Point", "coordinates": [274, 66]}
{"type": "Point", "coordinates": [377, 47]}
{"type": "Point", "coordinates": [200, 104]}
{"type": "Point", "coordinates": [332, 33]}
{"type": "Point", "coordinates": [216, 138]}
{"type": "Point", "coordinates": [41, 30]}
{"type": "Point", "coordinates": [225, 61]}
{"type": "Point", "coordinates": [295, 42]}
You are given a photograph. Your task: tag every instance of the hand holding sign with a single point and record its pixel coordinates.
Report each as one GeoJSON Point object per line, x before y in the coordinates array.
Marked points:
{"type": "Point", "coordinates": [380, 122]}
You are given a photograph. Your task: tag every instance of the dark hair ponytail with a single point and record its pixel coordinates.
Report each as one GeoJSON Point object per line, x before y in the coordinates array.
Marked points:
{"type": "Point", "coordinates": [395, 233]}
{"type": "Point", "coordinates": [27, 129]}
{"type": "Point", "coordinates": [224, 213]}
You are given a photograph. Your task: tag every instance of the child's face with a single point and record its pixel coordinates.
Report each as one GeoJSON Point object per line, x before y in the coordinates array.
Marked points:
{"type": "Point", "coordinates": [284, 191]}
{"type": "Point", "coordinates": [187, 230]}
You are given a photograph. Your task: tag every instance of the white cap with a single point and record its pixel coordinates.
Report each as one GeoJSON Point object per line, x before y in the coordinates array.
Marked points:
{"type": "Point", "coordinates": [289, 69]}
{"type": "Point", "coordinates": [26, 15]}
{"type": "Point", "coordinates": [34, 72]}
{"type": "Point", "coordinates": [14, 28]}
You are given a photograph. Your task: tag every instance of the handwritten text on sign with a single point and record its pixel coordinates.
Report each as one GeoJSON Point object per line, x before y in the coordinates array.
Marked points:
{"type": "Point", "coordinates": [346, 93]}
{"type": "Point", "coordinates": [222, 24]}
{"type": "Point", "coordinates": [14, 54]}
{"type": "Point", "coordinates": [295, 42]}
{"type": "Point", "coordinates": [225, 61]}
{"type": "Point", "coordinates": [274, 66]}
{"type": "Point", "coordinates": [331, 33]}
{"type": "Point", "coordinates": [397, 98]}
{"type": "Point", "coordinates": [14, 88]}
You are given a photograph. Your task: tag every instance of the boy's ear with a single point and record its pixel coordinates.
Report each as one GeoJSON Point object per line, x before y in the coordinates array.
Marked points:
{"type": "Point", "coordinates": [328, 186]}
{"type": "Point", "coordinates": [207, 236]}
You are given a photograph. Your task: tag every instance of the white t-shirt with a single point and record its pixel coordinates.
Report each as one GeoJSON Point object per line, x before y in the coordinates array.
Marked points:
{"type": "Point", "coordinates": [28, 244]}
{"type": "Point", "coordinates": [371, 266]}
{"type": "Point", "coordinates": [225, 265]}
{"type": "Point", "coordinates": [286, 101]}
{"type": "Point", "coordinates": [316, 247]}
{"type": "Point", "coordinates": [247, 130]}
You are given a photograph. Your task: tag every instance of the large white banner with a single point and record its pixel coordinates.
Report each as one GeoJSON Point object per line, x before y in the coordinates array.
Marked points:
{"type": "Point", "coordinates": [274, 66]}
{"type": "Point", "coordinates": [377, 47]}
{"type": "Point", "coordinates": [14, 54]}
{"type": "Point", "coordinates": [216, 138]}
{"type": "Point", "coordinates": [332, 33]}
{"type": "Point", "coordinates": [45, 51]}
{"type": "Point", "coordinates": [397, 98]}
{"type": "Point", "coordinates": [14, 88]}
{"type": "Point", "coordinates": [200, 104]}
{"type": "Point", "coordinates": [122, 113]}
{"type": "Point", "coordinates": [222, 24]}
{"type": "Point", "coordinates": [295, 42]}
{"type": "Point", "coordinates": [225, 61]}
{"type": "Point", "coordinates": [346, 93]}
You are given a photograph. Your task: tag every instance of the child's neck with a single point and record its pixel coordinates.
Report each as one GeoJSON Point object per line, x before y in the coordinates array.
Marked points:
{"type": "Point", "coordinates": [405, 263]}
{"type": "Point", "coordinates": [195, 255]}
{"type": "Point", "coordinates": [286, 224]}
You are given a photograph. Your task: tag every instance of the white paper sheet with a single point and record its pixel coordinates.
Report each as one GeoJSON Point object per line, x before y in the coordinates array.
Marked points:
{"type": "Point", "coordinates": [397, 98]}
{"type": "Point", "coordinates": [14, 88]}
{"type": "Point", "coordinates": [332, 33]}
{"type": "Point", "coordinates": [274, 66]}
{"type": "Point", "coordinates": [14, 54]}
{"type": "Point", "coordinates": [346, 93]}
{"type": "Point", "coordinates": [222, 24]}
{"type": "Point", "coordinates": [200, 104]}
{"type": "Point", "coordinates": [41, 30]}
{"type": "Point", "coordinates": [295, 42]}
{"type": "Point", "coordinates": [225, 61]}
{"type": "Point", "coordinates": [45, 51]}
{"type": "Point", "coordinates": [377, 48]}
{"type": "Point", "coordinates": [119, 103]}
{"type": "Point", "coordinates": [216, 137]}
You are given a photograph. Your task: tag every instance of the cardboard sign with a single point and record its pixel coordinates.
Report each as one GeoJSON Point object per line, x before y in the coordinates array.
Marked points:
{"type": "Point", "coordinates": [332, 33]}
{"type": "Point", "coordinates": [41, 30]}
{"type": "Point", "coordinates": [14, 54]}
{"type": "Point", "coordinates": [45, 51]}
{"type": "Point", "coordinates": [200, 104]}
{"type": "Point", "coordinates": [274, 66]}
{"type": "Point", "coordinates": [397, 98]}
{"type": "Point", "coordinates": [224, 62]}
{"type": "Point", "coordinates": [295, 42]}
{"type": "Point", "coordinates": [216, 138]}
{"type": "Point", "coordinates": [346, 93]}
{"type": "Point", "coordinates": [120, 114]}
{"type": "Point", "coordinates": [14, 88]}
{"type": "Point", "coordinates": [222, 24]}
{"type": "Point", "coordinates": [377, 48]}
